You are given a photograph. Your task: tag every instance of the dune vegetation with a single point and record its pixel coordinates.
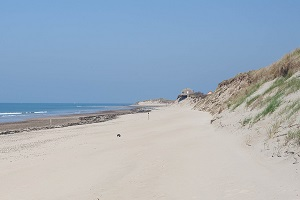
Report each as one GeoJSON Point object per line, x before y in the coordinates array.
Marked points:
{"type": "Point", "coordinates": [262, 103]}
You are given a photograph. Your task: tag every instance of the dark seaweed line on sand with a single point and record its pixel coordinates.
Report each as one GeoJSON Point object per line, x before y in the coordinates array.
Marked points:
{"type": "Point", "coordinates": [90, 119]}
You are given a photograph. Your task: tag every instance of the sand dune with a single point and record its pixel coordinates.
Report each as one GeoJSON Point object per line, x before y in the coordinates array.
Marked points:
{"type": "Point", "coordinates": [176, 154]}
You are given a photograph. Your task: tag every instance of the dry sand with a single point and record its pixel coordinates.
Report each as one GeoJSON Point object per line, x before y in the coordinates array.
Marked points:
{"type": "Point", "coordinates": [176, 154]}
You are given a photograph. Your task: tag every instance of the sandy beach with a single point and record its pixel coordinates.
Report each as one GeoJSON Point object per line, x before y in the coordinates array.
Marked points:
{"type": "Point", "coordinates": [175, 154]}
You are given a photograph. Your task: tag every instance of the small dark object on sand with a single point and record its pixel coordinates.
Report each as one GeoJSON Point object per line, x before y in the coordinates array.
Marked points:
{"type": "Point", "coordinates": [119, 135]}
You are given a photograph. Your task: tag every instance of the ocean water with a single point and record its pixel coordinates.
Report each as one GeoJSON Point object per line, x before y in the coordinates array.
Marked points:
{"type": "Point", "coordinates": [13, 112]}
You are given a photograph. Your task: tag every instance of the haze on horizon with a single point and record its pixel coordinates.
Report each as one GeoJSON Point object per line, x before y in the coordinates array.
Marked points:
{"type": "Point", "coordinates": [126, 51]}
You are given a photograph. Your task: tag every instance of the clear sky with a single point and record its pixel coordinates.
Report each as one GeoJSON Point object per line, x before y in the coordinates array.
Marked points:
{"type": "Point", "coordinates": [131, 50]}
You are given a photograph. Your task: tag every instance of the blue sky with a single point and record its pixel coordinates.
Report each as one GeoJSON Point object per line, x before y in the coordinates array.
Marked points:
{"type": "Point", "coordinates": [126, 51]}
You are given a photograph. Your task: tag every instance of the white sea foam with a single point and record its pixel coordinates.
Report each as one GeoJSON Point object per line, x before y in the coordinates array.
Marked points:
{"type": "Point", "coordinates": [19, 112]}
{"type": "Point", "coordinates": [11, 113]}
{"type": "Point", "coordinates": [40, 112]}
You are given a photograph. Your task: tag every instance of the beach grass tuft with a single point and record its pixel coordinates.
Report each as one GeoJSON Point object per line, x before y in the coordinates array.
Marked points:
{"type": "Point", "coordinates": [274, 129]}
{"type": "Point", "coordinates": [293, 136]}
{"type": "Point", "coordinates": [246, 121]}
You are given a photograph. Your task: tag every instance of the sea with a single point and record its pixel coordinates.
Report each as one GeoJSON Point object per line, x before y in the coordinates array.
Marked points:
{"type": "Point", "coordinates": [15, 112]}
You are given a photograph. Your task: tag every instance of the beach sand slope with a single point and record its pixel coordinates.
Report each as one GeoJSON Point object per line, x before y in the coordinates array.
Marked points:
{"type": "Point", "coordinates": [175, 154]}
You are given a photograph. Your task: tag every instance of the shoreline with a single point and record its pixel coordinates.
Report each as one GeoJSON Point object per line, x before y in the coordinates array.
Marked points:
{"type": "Point", "coordinates": [61, 121]}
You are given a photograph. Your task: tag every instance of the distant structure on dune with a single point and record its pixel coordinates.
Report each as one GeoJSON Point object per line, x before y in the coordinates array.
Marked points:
{"type": "Point", "coordinates": [188, 92]}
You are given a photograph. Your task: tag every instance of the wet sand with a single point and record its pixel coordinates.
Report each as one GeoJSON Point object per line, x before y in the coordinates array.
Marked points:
{"type": "Point", "coordinates": [63, 121]}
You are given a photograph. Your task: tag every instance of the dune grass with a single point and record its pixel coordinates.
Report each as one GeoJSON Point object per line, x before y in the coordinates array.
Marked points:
{"type": "Point", "coordinates": [277, 83]}
{"type": "Point", "coordinates": [244, 95]}
{"type": "Point", "coordinates": [250, 101]}
{"type": "Point", "coordinates": [280, 70]}
{"type": "Point", "coordinates": [292, 86]}
{"type": "Point", "coordinates": [293, 109]}
{"type": "Point", "coordinates": [273, 129]}
{"type": "Point", "coordinates": [283, 86]}
{"type": "Point", "coordinates": [293, 136]}
{"type": "Point", "coordinates": [285, 67]}
{"type": "Point", "coordinates": [273, 104]}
